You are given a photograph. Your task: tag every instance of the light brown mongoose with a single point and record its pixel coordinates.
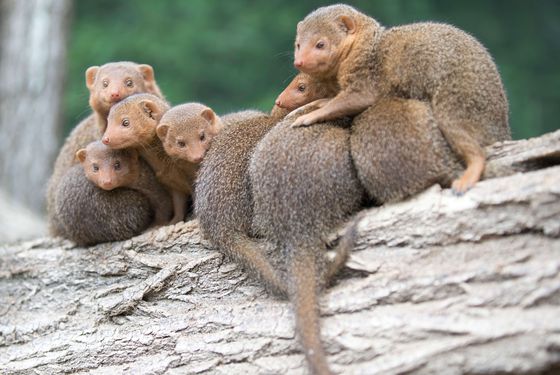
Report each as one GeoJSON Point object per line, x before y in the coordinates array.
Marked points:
{"type": "Point", "coordinates": [304, 186]}
{"type": "Point", "coordinates": [109, 169]}
{"type": "Point", "coordinates": [302, 88]}
{"type": "Point", "coordinates": [91, 128]}
{"type": "Point", "coordinates": [433, 62]}
{"type": "Point", "coordinates": [187, 131]}
{"type": "Point", "coordinates": [132, 123]}
{"type": "Point", "coordinates": [223, 203]}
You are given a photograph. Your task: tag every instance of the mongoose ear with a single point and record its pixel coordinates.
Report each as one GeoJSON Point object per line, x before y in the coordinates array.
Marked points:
{"type": "Point", "coordinates": [91, 72]}
{"type": "Point", "coordinates": [150, 109]}
{"type": "Point", "coordinates": [208, 115]}
{"type": "Point", "coordinates": [147, 72]}
{"type": "Point", "coordinates": [299, 24]}
{"type": "Point", "coordinates": [81, 155]}
{"type": "Point", "coordinates": [161, 131]}
{"type": "Point", "coordinates": [348, 24]}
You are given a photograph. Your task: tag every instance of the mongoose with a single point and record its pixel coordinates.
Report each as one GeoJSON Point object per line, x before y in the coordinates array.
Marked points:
{"type": "Point", "coordinates": [302, 88]}
{"type": "Point", "coordinates": [112, 82]}
{"type": "Point", "coordinates": [223, 203]}
{"type": "Point", "coordinates": [433, 62]}
{"type": "Point", "coordinates": [398, 150]}
{"type": "Point", "coordinates": [304, 185]}
{"type": "Point", "coordinates": [110, 169]}
{"type": "Point", "coordinates": [187, 130]}
{"type": "Point", "coordinates": [118, 75]}
{"type": "Point", "coordinates": [89, 215]}
{"type": "Point", "coordinates": [132, 123]}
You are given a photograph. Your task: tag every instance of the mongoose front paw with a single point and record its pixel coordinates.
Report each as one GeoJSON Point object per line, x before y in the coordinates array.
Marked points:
{"type": "Point", "coordinates": [461, 186]}
{"type": "Point", "coordinates": [304, 120]}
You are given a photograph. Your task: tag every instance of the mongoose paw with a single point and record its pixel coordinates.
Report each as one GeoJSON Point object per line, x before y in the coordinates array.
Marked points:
{"type": "Point", "coordinates": [304, 120]}
{"type": "Point", "coordinates": [461, 186]}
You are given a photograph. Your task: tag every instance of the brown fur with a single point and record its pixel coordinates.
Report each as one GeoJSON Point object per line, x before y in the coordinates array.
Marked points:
{"type": "Point", "coordinates": [91, 128]}
{"type": "Point", "coordinates": [109, 169]}
{"type": "Point", "coordinates": [303, 87]}
{"type": "Point", "coordinates": [187, 131]}
{"type": "Point", "coordinates": [223, 202]}
{"type": "Point", "coordinates": [433, 62]}
{"type": "Point", "coordinates": [398, 150]}
{"type": "Point", "coordinates": [132, 123]}
{"type": "Point", "coordinates": [296, 210]}
{"type": "Point", "coordinates": [89, 215]}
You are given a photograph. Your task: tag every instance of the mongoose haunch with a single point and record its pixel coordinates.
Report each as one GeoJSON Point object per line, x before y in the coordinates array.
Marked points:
{"type": "Point", "coordinates": [223, 204]}
{"type": "Point", "coordinates": [119, 75]}
{"type": "Point", "coordinates": [304, 185]}
{"type": "Point", "coordinates": [187, 130]}
{"type": "Point", "coordinates": [132, 124]}
{"type": "Point", "coordinates": [433, 62]}
{"type": "Point", "coordinates": [110, 169]}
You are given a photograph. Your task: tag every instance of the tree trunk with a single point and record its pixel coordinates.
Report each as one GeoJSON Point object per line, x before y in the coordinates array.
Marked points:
{"type": "Point", "coordinates": [437, 284]}
{"type": "Point", "coordinates": [32, 65]}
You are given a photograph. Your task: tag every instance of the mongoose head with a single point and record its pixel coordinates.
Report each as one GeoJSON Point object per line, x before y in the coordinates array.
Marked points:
{"type": "Point", "coordinates": [132, 122]}
{"type": "Point", "coordinates": [304, 89]}
{"type": "Point", "coordinates": [112, 82]}
{"type": "Point", "coordinates": [108, 168]}
{"type": "Point", "coordinates": [187, 130]}
{"type": "Point", "coordinates": [324, 38]}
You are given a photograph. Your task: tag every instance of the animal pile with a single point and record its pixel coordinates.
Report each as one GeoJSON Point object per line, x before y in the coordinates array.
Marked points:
{"type": "Point", "coordinates": [375, 115]}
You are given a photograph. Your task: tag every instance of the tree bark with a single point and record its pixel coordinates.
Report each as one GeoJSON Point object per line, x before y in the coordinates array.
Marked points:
{"type": "Point", "coordinates": [32, 65]}
{"type": "Point", "coordinates": [437, 284]}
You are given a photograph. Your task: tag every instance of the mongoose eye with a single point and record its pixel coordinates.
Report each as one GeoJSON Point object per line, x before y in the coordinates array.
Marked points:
{"type": "Point", "coordinates": [95, 167]}
{"type": "Point", "coordinates": [301, 87]}
{"type": "Point", "coordinates": [181, 144]}
{"type": "Point", "coordinates": [297, 45]}
{"type": "Point", "coordinates": [105, 83]}
{"type": "Point", "coordinates": [202, 136]}
{"type": "Point", "coordinates": [320, 45]}
{"type": "Point", "coordinates": [117, 165]}
{"type": "Point", "coordinates": [129, 83]}
{"type": "Point", "coordinates": [125, 122]}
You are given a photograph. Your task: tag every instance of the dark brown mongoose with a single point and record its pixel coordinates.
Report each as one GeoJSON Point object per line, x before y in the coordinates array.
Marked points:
{"type": "Point", "coordinates": [304, 185]}
{"type": "Point", "coordinates": [110, 169]}
{"type": "Point", "coordinates": [91, 128]}
{"type": "Point", "coordinates": [187, 131]}
{"type": "Point", "coordinates": [89, 215]}
{"type": "Point", "coordinates": [433, 62]}
{"type": "Point", "coordinates": [132, 123]}
{"type": "Point", "coordinates": [223, 203]}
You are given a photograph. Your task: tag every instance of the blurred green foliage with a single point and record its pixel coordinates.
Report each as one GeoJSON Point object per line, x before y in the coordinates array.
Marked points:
{"type": "Point", "coordinates": [234, 55]}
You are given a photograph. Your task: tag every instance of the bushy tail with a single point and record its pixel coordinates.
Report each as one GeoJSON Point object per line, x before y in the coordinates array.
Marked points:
{"type": "Point", "coordinates": [304, 293]}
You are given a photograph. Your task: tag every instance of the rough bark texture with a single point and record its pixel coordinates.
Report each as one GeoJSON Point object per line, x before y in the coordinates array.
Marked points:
{"type": "Point", "coordinates": [32, 55]}
{"type": "Point", "coordinates": [437, 284]}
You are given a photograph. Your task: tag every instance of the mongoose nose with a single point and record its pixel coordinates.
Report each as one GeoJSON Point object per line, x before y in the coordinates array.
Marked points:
{"type": "Point", "coordinates": [298, 63]}
{"type": "Point", "coordinates": [278, 102]}
{"type": "Point", "coordinates": [115, 95]}
{"type": "Point", "coordinates": [105, 140]}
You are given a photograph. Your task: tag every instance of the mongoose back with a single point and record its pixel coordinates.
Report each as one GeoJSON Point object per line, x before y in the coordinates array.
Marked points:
{"type": "Point", "coordinates": [398, 150]}
{"type": "Point", "coordinates": [132, 123]}
{"type": "Point", "coordinates": [223, 204]}
{"type": "Point", "coordinates": [187, 131]}
{"type": "Point", "coordinates": [304, 185]}
{"type": "Point", "coordinates": [124, 78]}
{"type": "Point", "coordinates": [109, 169]}
{"type": "Point", "coordinates": [433, 62]}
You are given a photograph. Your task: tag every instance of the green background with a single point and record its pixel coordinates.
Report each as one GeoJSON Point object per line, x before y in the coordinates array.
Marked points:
{"type": "Point", "coordinates": [235, 55]}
